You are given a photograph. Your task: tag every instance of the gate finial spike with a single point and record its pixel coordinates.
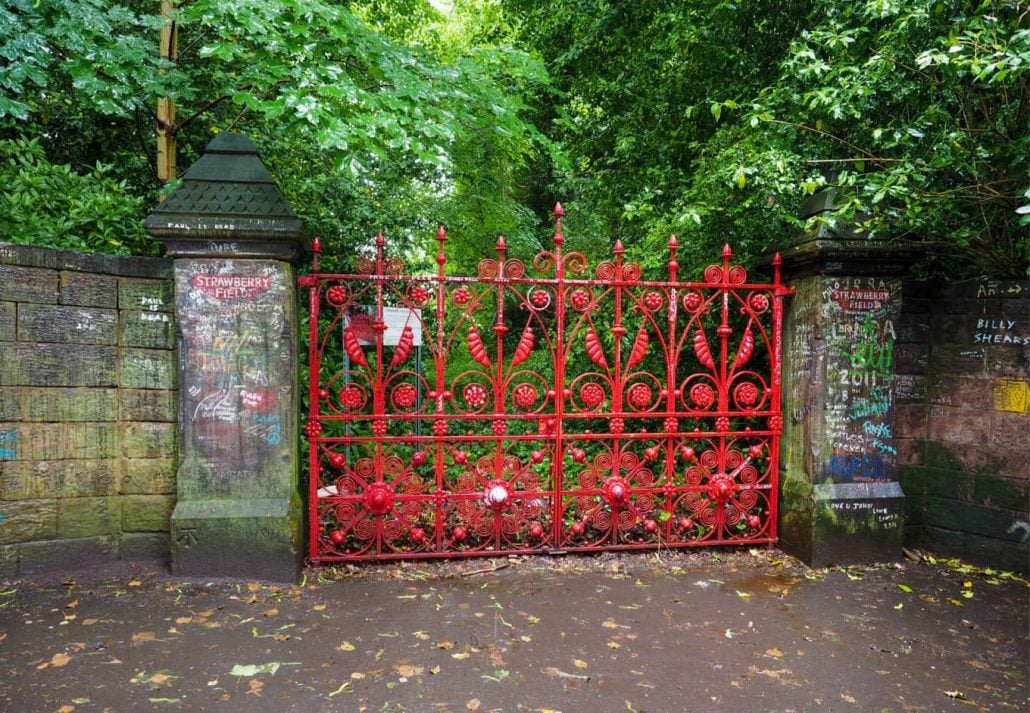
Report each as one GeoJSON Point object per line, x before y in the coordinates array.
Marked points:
{"type": "Point", "coordinates": [559, 212]}
{"type": "Point", "coordinates": [441, 238]}
{"type": "Point", "coordinates": [727, 252]}
{"type": "Point", "coordinates": [618, 249]}
{"type": "Point", "coordinates": [501, 245]}
{"type": "Point", "coordinates": [441, 234]}
{"type": "Point", "coordinates": [673, 243]}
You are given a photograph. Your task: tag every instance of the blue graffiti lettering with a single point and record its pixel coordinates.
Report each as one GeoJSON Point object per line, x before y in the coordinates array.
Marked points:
{"type": "Point", "coordinates": [847, 468]}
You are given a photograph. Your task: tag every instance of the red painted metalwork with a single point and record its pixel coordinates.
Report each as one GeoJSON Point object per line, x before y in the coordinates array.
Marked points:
{"type": "Point", "coordinates": [556, 412]}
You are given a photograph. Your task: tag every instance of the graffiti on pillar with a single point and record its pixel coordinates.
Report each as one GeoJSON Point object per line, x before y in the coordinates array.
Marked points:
{"type": "Point", "coordinates": [235, 359]}
{"type": "Point", "coordinates": [859, 317]}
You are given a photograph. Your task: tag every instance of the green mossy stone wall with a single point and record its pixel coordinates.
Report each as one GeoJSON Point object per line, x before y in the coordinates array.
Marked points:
{"type": "Point", "coordinates": [88, 409]}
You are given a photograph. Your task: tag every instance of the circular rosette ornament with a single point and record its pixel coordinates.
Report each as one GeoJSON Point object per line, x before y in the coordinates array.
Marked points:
{"type": "Point", "coordinates": [405, 396]}
{"type": "Point", "coordinates": [313, 429]}
{"type": "Point", "coordinates": [461, 296]}
{"type": "Point", "coordinates": [419, 295]}
{"type": "Point", "coordinates": [336, 295]}
{"type": "Point", "coordinates": [579, 299]}
{"type": "Point", "coordinates": [474, 395]}
{"type": "Point", "coordinates": [352, 397]}
{"type": "Point", "coordinates": [539, 298]}
{"type": "Point", "coordinates": [745, 394]}
{"type": "Point", "coordinates": [692, 301]}
{"type": "Point", "coordinates": [615, 492]}
{"type": "Point", "coordinates": [653, 301]}
{"type": "Point", "coordinates": [591, 394]}
{"type": "Point", "coordinates": [379, 498]}
{"type": "Point", "coordinates": [639, 396]}
{"type": "Point", "coordinates": [759, 302]}
{"type": "Point", "coordinates": [721, 489]}
{"type": "Point", "coordinates": [702, 395]}
{"type": "Point", "coordinates": [497, 495]}
{"type": "Point", "coordinates": [525, 396]}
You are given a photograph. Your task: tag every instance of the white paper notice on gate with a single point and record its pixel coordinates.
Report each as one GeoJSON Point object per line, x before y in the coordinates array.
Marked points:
{"type": "Point", "coordinates": [361, 320]}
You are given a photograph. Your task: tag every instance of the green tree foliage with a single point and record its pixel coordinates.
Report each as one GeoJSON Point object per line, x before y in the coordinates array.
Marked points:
{"type": "Point", "coordinates": [46, 204]}
{"type": "Point", "coordinates": [354, 112]}
{"type": "Point", "coordinates": [715, 121]}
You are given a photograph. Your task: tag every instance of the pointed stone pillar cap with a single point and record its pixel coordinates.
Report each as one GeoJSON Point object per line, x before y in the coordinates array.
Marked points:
{"type": "Point", "coordinates": [227, 205]}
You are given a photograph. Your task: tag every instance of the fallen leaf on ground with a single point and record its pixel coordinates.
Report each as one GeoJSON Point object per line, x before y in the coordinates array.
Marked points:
{"type": "Point", "coordinates": [955, 694]}
{"type": "Point", "coordinates": [579, 663]}
{"type": "Point", "coordinates": [473, 704]}
{"type": "Point", "coordinates": [60, 660]}
{"type": "Point", "coordinates": [271, 612]}
{"type": "Point", "coordinates": [72, 604]}
{"type": "Point", "coordinates": [255, 687]}
{"type": "Point", "coordinates": [445, 645]}
{"type": "Point", "coordinates": [144, 636]}
{"type": "Point", "coordinates": [135, 583]}
{"type": "Point", "coordinates": [775, 653]}
{"type": "Point", "coordinates": [408, 670]}
{"type": "Point", "coordinates": [346, 646]}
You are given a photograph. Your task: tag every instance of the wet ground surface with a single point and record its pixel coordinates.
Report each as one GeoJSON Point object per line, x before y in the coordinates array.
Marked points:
{"type": "Point", "coordinates": [737, 631]}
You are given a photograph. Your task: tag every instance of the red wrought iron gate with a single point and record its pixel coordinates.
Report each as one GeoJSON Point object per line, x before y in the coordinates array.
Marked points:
{"type": "Point", "coordinates": [564, 411]}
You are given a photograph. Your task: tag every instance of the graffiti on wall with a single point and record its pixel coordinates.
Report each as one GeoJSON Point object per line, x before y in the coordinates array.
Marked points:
{"type": "Point", "coordinates": [8, 445]}
{"type": "Point", "coordinates": [859, 318]}
{"type": "Point", "coordinates": [235, 358]}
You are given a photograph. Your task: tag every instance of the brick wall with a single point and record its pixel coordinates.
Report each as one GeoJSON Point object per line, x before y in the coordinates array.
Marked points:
{"type": "Point", "coordinates": [963, 419]}
{"type": "Point", "coordinates": [88, 409]}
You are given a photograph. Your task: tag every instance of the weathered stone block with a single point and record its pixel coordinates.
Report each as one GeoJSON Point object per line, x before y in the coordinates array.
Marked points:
{"type": "Point", "coordinates": [74, 404]}
{"type": "Point", "coordinates": [911, 357]}
{"type": "Point", "coordinates": [8, 560]}
{"type": "Point", "coordinates": [997, 492]}
{"type": "Point", "coordinates": [71, 325]}
{"type": "Point", "coordinates": [146, 513]}
{"type": "Point", "coordinates": [147, 369]}
{"type": "Point", "coordinates": [957, 359]}
{"type": "Point", "coordinates": [56, 365]}
{"type": "Point", "coordinates": [953, 484]}
{"type": "Point", "coordinates": [148, 405]}
{"type": "Point", "coordinates": [35, 480]}
{"type": "Point", "coordinates": [66, 441]}
{"type": "Point", "coordinates": [148, 440]}
{"type": "Point", "coordinates": [66, 555]}
{"type": "Point", "coordinates": [142, 294]}
{"type": "Point", "coordinates": [28, 284]}
{"type": "Point", "coordinates": [146, 546]}
{"type": "Point", "coordinates": [88, 290]}
{"type": "Point", "coordinates": [10, 404]}
{"type": "Point", "coordinates": [148, 476]}
{"type": "Point", "coordinates": [910, 451]}
{"type": "Point", "coordinates": [147, 329]}
{"type": "Point", "coordinates": [262, 535]}
{"type": "Point", "coordinates": [968, 517]}
{"type": "Point", "coordinates": [8, 322]}
{"type": "Point", "coordinates": [909, 388]}
{"type": "Point", "coordinates": [28, 521]}
{"type": "Point", "coordinates": [87, 517]}
{"type": "Point", "coordinates": [959, 425]}
{"type": "Point", "coordinates": [910, 420]}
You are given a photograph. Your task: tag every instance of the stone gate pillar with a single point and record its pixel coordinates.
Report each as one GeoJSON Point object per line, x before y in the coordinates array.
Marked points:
{"type": "Point", "coordinates": [840, 499]}
{"type": "Point", "coordinates": [234, 240]}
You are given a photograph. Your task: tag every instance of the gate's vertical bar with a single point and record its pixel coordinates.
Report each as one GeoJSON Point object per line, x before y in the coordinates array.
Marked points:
{"type": "Point", "coordinates": [671, 362]}
{"type": "Point", "coordinates": [314, 379]}
{"type": "Point", "coordinates": [558, 457]}
{"type": "Point", "coordinates": [378, 391]}
{"type": "Point", "coordinates": [439, 426]}
{"type": "Point", "coordinates": [500, 329]}
{"type": "Point", "coordinates": [724, 332]}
